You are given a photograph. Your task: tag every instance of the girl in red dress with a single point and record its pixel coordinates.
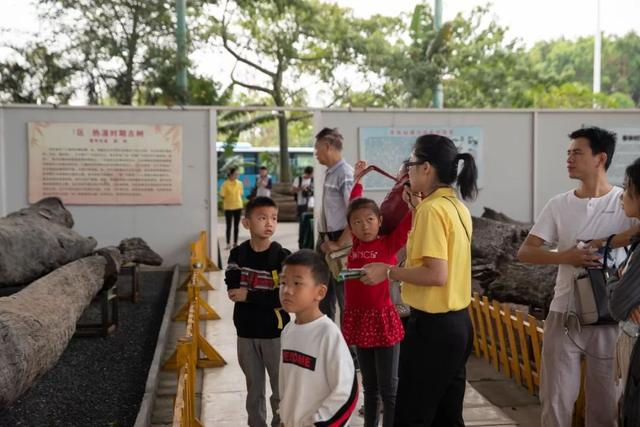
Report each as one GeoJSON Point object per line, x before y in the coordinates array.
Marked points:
{"type": "Point", "coordinates": [370, 321]}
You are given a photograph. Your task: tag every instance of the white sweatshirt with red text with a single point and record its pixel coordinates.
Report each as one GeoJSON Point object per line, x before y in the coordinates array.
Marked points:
{"type": "Point", "coordinates": [318, 385]}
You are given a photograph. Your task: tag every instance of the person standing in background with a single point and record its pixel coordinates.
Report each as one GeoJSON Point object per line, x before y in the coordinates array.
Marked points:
{"type": "Point", "coordinates": [332, 224]}
{"type": "Point", "coordinates": [231, 193]}
{"type": "Point", "coordinates": [302, 188]}
{"type": "Point", "coordinates": [263, 183]}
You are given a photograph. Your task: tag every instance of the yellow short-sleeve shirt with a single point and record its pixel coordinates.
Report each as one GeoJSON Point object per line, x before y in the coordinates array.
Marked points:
{"type": "Point", "coordinates": [438, 231]}
{"type": "Point", "coordinates": [231, 193]}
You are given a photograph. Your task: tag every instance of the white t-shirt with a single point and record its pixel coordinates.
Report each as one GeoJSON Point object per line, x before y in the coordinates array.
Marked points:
{"type": "Point", "coordinates": [317, 379]}
{"type": "Point", "coordinates": [302, 182]}
{"type": "Point", "coordinates": [567, 219]}
{"type": "Point", "coordinates": [263, 190]}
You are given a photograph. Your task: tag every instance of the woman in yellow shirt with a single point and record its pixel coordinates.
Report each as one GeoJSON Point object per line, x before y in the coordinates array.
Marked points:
{"type": "Point", "coordinates": [231, 193]}
{"type": "Point", "coordinates": [436, 283]}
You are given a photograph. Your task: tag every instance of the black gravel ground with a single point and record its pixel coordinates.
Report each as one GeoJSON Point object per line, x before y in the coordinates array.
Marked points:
{"type": "Point", "coordinates": [99, 381]}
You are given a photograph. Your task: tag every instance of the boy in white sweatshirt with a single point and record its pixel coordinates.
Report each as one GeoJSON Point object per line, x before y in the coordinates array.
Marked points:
{"type": "Point", "coordinates": [318, 385]}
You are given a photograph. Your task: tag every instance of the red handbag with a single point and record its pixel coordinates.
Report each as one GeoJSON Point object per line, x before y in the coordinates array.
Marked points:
{"type": "Point", "coordinates": [392, 208]}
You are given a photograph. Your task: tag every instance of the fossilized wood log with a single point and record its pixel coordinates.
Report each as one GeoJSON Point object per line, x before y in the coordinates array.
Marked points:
{"type": "Point", "coordinates": [496, 240]}
{"type": "Point", "coordinates": [524, 284]}
{"type": "Point", "coordinates": [281, 194]}
{"type": "Point", "coordinates": [499, 216]}
{"type": "Point", "coordinates": [37, 323]}
{"type": "Point", "coordinates": [36, 240]}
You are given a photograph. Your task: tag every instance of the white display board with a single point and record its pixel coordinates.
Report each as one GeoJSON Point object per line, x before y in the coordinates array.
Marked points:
{"type": "Point", "coordinates": [627, 150]}
{"type": "Point", "coordinates": [388, 147]}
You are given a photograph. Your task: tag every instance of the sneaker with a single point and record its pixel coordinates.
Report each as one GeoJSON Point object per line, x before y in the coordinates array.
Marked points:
{"type": "Point", "coordinates": [228, 246]}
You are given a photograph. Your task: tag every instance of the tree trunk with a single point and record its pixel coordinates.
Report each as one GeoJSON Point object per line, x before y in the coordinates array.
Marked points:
{"type": "Point", "coordinates": [285, 172]}
{"type": "Point", "coordinates": [37, 240]}
{"type": "Point", "coordinates": [37, 323]}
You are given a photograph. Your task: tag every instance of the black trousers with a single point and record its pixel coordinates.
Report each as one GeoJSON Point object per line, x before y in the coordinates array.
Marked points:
{"type": "Point", "coordinates": [234, 215]}
{"type": "Point", "coordinates": [300, 209]}
{"type": "Point", "coordinates": [379, 369]}
{"type": "Point", "coordinates": [432, 371]}
{"type": "Point", "coordinates": [328, 304]}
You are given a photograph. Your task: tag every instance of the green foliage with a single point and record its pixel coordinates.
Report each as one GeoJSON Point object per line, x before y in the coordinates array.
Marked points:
{"type": "Point", "coordinates": [229, 160]}
{"type": "Point", "coordinates": [123, 52]}
{"type": "Point", "coordinates": [271, 161]}
{"type": "Point", "coordinates": [576, 95]}
{"type": "Point", "coordinates": [114, 40]}
{"type": "Point", "coordinates": [481, 68]}
{"type": "Point", "coordinates": [37, 74]}
{"type": "Point", "coordinates": [280, 41]}
{"type": "Point", "coordinates": [563, 61]}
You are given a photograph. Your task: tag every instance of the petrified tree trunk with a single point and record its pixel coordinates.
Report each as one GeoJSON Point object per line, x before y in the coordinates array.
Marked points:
{"type": "Point", "coordinates": [496, 240]}
{"type": "Point", "coordinates": [37, 240]}
{"type": "Point", "coordinates": [281, 194]}
{"type": "Point", "coordinates": [37, 323]}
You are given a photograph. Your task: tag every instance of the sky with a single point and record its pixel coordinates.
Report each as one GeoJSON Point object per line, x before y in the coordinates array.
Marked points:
{"type": "Point", "coordinates": [529, 21]}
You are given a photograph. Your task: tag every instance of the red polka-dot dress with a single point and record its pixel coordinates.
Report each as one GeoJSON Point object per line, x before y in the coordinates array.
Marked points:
{"type": "Point", "coordinates": [370, 318]}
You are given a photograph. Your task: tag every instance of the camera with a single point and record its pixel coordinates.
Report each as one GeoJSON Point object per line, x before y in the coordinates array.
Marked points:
{"type": "Point", "coordinates": [307, 192]}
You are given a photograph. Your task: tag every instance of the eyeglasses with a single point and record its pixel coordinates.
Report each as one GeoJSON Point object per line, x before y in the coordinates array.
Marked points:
{"type": "Point", "coordinates": [407, 164]}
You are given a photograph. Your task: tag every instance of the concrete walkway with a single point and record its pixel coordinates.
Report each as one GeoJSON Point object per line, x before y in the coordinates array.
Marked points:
{"type": "Point", "coordinates": [224, 390]}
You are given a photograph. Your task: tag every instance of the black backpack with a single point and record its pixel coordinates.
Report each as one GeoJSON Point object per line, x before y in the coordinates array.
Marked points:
{"type": "Point", "coordinates": [295, 194]}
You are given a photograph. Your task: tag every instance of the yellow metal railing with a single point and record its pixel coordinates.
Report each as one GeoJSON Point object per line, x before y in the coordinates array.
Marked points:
{"type": "Point", "coordinates": [193, 350]}
{"type": "Point", "coordinates": [512, 342]}
{"type": "Point", "coordinates": [198, 265]}
{"type": "Point", "coordinates": [184, 405]}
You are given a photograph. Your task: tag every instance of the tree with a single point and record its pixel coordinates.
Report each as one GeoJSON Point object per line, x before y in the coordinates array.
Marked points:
{"type": "Point", "coordinates": [481, 68]}
{"type": "Point", "coordinates": [478, 67]}
{"type": "Point", "coordinates": [36, 75]}
{"type": "Point", "coordinates": [118, 43]}
{"type": "Point", "coordinates": [622, 66]}
{"type": "Point", "coordinates": [576, 95]}
{"type": "Point", "coordinates": [409, 70]}
{"type": "Point", "coordinates": [279, 43]}
{"type": "Point", "coordinates": [485, 70]}
{"type": "Point", "coordinates": [563, 61]}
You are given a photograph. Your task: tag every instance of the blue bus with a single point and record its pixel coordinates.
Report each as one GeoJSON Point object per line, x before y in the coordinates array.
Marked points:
{"type": "Point", "coordinates": [299, 158]}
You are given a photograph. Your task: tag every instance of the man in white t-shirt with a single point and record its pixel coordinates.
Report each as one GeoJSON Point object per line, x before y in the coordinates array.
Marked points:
{"type": "Point", "coordinates": [590, 213]}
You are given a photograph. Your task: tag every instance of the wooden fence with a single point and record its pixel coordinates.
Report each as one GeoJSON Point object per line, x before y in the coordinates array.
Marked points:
{"type": "Point", "coordinates": [512, 342]}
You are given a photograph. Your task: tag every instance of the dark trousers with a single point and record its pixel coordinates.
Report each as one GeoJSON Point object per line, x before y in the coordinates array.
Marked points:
{"type": "Point", "coordinates": [328, 304]}
{"type": "Point", "coordinates": [432, 374]}
{"type": "Point", "coordinates": [234, 215]}
{"type": "Point", "coordinates": [300, 209]}
{"type": "Point", "coordinates": [379, 369]}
